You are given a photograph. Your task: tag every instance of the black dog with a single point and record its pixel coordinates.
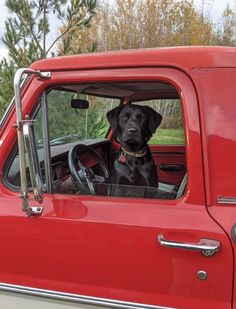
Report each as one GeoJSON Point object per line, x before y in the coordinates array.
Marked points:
{"type": "Point", "coordinates": [133, 126]}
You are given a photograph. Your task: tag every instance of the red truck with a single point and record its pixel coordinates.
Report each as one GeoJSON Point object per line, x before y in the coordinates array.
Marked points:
{"type": "Point", "coordinates": [65, 246]}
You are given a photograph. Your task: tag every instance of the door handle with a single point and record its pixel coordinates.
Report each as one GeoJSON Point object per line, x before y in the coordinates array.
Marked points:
{"type": "Point", "coordinates": [208, 247]}
{"type": "Point", "coordinates": [171, 167]}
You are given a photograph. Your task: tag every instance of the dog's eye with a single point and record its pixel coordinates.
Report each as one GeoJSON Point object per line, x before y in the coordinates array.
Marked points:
{"type": "Point", "coordinates": [125, 117]}
{"type": "Point", "coordinates": [139, 117]}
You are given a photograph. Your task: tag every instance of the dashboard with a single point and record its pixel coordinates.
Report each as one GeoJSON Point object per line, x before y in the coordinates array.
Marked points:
{"type": "Point", "coordinates": [61, 176]}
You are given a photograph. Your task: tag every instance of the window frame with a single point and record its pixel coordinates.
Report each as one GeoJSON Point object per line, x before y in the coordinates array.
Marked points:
{"type": "Point", "coordinates": [173, 76]}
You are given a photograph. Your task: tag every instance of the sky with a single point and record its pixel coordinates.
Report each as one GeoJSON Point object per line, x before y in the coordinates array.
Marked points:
{"type": "Point", "coordinates": [3, 15]}
{"type": "Point", "coordinates": [216, 9]}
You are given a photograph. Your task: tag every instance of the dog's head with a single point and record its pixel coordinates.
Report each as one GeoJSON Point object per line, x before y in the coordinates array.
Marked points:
{"type": "Point", "coordinates": [133, 124]}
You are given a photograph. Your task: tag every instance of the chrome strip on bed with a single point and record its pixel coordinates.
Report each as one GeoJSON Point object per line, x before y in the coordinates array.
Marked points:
{"type": "Point", "coordinates": [75, 297]}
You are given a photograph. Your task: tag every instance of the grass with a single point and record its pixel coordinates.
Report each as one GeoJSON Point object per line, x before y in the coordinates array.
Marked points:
{"type": "Point", "coordinates": [168, 137]}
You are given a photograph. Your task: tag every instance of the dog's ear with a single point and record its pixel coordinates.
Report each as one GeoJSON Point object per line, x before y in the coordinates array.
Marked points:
{"type": "Point", "coordinates": [154, 118]}
{"type": "Point", "coordinates": [113, 117]}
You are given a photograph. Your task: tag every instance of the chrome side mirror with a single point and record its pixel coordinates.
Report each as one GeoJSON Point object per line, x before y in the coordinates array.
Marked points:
{"type": "Point", "coordinates": [26, 147]}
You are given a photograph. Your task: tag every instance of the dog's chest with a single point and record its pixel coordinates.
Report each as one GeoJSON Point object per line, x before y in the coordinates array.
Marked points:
{"type": "Point", "coordinates": [132, 170]}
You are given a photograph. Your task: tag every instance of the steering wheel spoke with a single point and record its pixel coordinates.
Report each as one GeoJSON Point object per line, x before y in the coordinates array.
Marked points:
{"type": "Point", "coordinates": [99, 179]}
{"type": "Point", "coordinates": [85, 177]}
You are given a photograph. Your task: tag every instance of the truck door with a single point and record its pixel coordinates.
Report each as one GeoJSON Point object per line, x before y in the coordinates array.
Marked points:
{"type": "Point", "coordinates": [117, 251]}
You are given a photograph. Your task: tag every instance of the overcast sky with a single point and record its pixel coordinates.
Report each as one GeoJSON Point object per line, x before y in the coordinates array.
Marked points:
{"type": "Point", "coordinates": [216, 8]}
{"type": "Point", "coordinates": [3, 14]}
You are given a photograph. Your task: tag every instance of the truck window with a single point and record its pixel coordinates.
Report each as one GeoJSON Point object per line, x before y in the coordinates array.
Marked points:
{"type": "Point", "coordinates": [69, 126]}
{"type": "Point", "coordinates": [170, 131]}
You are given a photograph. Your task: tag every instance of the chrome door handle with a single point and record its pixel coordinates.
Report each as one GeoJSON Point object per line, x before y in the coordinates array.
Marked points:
{"type": "Point", "coordinates": [208, 247]}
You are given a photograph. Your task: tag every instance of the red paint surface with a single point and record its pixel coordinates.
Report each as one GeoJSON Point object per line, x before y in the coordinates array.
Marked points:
{"type": "Point", "coordinates": [218, 112]}
{"type": "Point", "coordinates": [184, 58]}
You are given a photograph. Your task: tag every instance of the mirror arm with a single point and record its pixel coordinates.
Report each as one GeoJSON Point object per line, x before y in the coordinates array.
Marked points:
{"type": "Point", "coordinates": [35, 182]}
{"type": "Point", "coordinates": [20, 136]}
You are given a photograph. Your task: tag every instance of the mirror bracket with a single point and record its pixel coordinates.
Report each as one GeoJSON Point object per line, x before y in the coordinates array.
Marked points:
{"type": "Point", "coordinates": [30, 210]}
{"type": "Point", "coordinates": [43, 75]}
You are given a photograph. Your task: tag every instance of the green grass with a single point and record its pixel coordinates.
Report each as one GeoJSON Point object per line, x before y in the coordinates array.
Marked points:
{"type": "Point", "coordinates": [168, 137]}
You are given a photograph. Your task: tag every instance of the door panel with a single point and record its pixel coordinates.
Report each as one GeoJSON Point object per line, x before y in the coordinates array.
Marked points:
{"type": "Point", "coordinates": [170, 162]}
{"type": "Point", "coordinates": [108, 248]}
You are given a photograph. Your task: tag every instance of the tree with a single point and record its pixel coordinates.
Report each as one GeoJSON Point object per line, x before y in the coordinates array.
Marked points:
{"type": "Point", "coordinates": [6, 83]}
{"type": "Point", "coordinates": [226, 28]}
{"type": "Point", "coordinates": [149, 23]}
{"type": "Point", "coordinates": [28, 29]}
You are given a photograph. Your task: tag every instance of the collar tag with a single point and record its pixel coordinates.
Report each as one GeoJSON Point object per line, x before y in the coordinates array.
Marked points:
{"type": "Point", "coordinates": [122, 158]}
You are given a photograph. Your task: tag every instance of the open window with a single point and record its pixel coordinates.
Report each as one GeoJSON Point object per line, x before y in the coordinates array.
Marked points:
{"type": "Point", "coordinates": [73, 124]}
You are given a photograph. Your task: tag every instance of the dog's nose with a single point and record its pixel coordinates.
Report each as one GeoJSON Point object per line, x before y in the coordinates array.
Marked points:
{"type": "Point", "coordinates": [132, 130]}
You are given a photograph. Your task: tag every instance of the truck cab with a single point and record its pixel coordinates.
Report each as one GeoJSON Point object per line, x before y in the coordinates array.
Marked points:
{"type": "Point", "coordinates": [69, 238]}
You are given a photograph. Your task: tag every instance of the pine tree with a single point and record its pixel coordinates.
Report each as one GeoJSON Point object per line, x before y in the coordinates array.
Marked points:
{"type": "Point", "coordinates": [28, 29]}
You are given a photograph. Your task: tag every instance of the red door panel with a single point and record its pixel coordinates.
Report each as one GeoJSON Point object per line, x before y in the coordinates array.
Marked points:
{"type": "Point", "coordinates": [108, 248]}
{"type": "Point", "coordinates": [170, 162]}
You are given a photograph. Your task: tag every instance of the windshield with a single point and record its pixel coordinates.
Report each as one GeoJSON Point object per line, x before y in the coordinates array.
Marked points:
{"type": "Point", "coordinates": [68, 124]}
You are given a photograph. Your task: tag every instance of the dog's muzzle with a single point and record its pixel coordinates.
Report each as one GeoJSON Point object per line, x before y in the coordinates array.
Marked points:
{"type": "Point", "coordinates": [132, 130]}
{"type": "Point", "coordinates": [132, 133]}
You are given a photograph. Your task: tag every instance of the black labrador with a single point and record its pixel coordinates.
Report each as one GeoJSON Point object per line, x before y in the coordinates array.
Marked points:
{"type": "Point", "coordinates": [134, 169]}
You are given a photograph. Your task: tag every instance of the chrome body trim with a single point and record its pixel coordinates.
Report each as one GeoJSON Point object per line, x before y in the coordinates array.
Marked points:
{"type": "Point", "coordinates": [226, 200]}
{"type": "Point", "coordinates": [76, 298]}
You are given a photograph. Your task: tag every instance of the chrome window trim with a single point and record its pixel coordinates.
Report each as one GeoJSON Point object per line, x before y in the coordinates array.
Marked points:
{"type": "Point", "coordinates": [12, 103]}
{"type": "Point", "coordinates": [7, 112]}
{"type": "Point", "coordinates": [46, 143]}
{"type": "Point", "coordinates": [76, 298]}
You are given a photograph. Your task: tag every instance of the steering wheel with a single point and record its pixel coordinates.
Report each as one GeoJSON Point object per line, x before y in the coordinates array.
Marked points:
{"type": "Point", "coordinates": [84, 177]}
